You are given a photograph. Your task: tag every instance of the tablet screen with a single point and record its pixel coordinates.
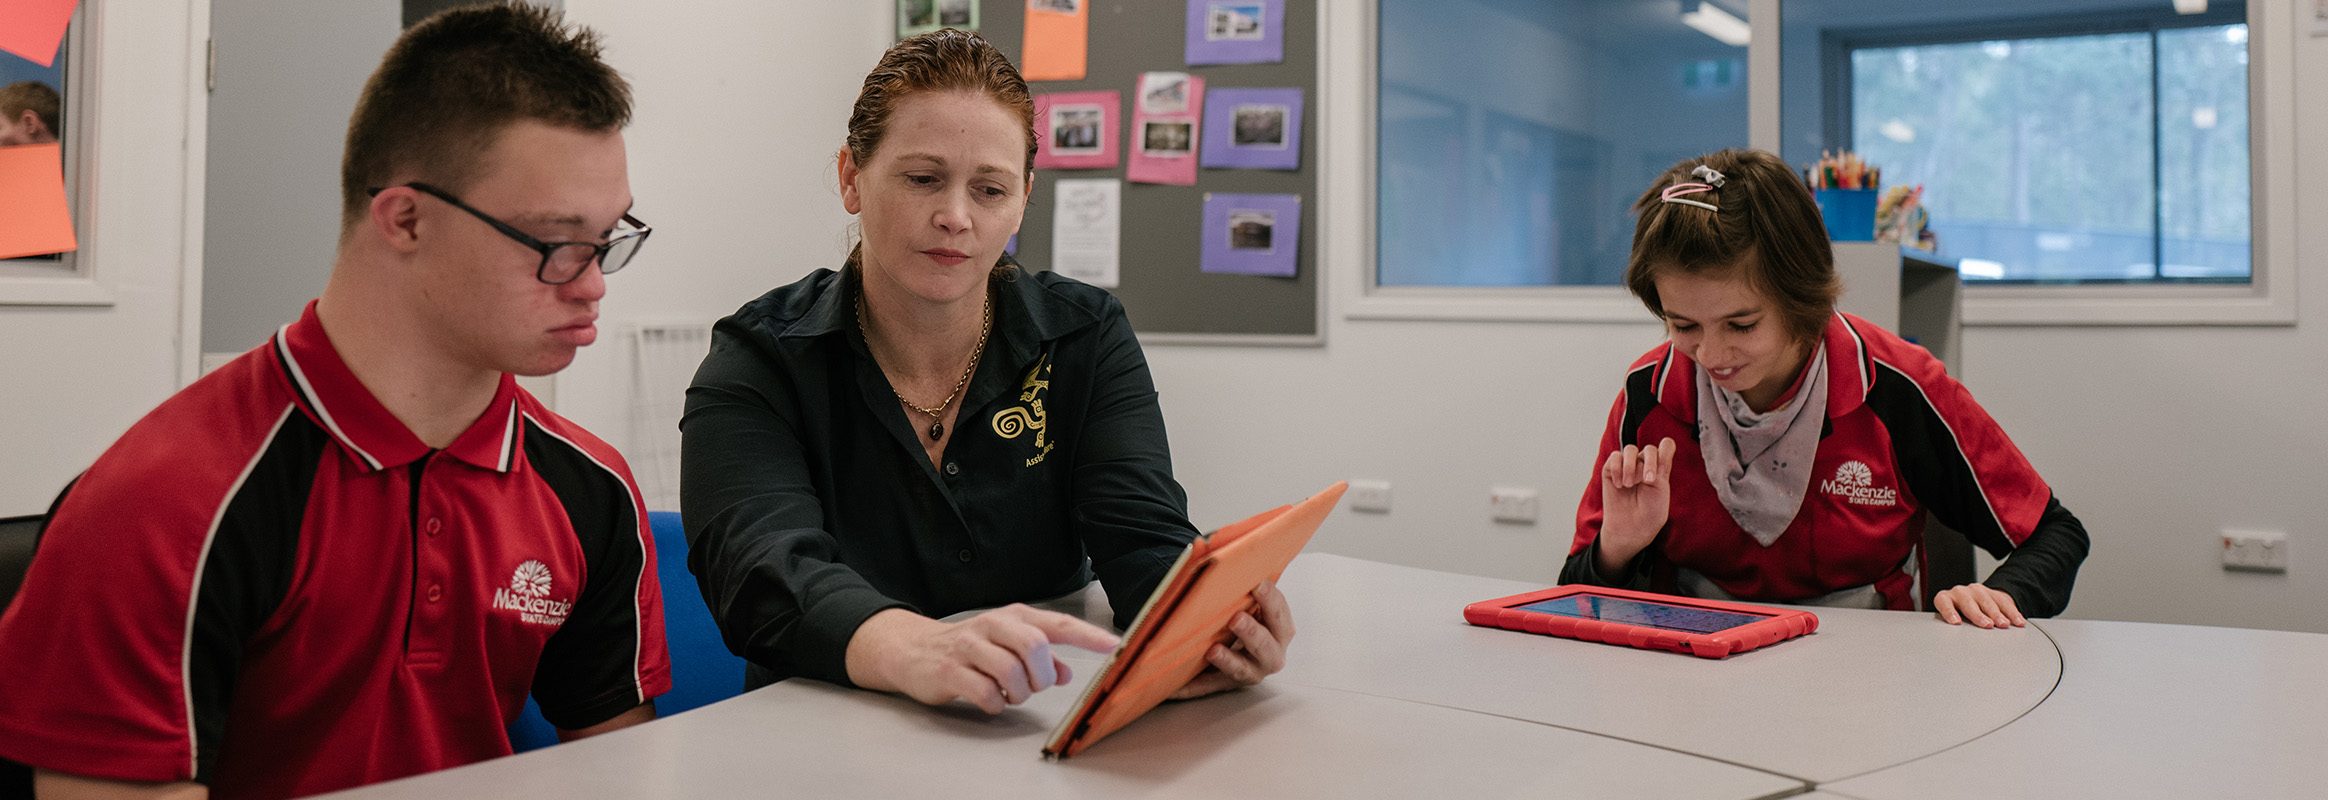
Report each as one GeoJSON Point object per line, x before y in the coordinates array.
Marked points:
{"type": "Point", "coordinates": [1640, 612]}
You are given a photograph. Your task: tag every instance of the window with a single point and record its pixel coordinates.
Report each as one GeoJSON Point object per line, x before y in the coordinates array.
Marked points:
{"type": "Point", "coordinates": [1514, 135]}
{"type": "Point", "coordinates": [62, 76]}
{"type": "Point", "coordinates": [2114, 154]}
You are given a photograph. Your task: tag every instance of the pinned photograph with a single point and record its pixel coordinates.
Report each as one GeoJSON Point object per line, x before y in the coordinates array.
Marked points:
{"type": "Point", "coordinates": [1164, 93]}
{"type": "Point", "coordinates": [1259, 126]}
{"type": "Point", "coordinates": [917, 17]}
{"type": "Point", "coordinates": [1055, 6]}
{"type": "Point", "coordinates": [1075, 129]}
{"type": "Point", "coordinates": [1167, 139]}
{"type": "Point", "coordinates": [1235, 22]}
{"type": "Point", "coordinates": [957, 14]}
{"type": "Point", "coordinates": [915, 14]}
{"type": "Point", "coordinates": [1252, 231]}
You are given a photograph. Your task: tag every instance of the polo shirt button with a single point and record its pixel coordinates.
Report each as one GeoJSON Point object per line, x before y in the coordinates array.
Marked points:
{"type": "Point", "coordinates": [434, 525]}
{"type": "Point", "coordinates": [436, 591]}
{"type": "Point", "coordinates": [964, 555]}
{"type": "Point", "coordinates": [953, 468]}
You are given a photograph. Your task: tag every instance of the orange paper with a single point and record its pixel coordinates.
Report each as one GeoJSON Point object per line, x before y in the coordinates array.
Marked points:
{"type": "Point", "coordinates": [1057, 32]}
{"type": "Point", "coordinates": [34, 28]}
{"type": "Point", "coordinates": [34, 219]}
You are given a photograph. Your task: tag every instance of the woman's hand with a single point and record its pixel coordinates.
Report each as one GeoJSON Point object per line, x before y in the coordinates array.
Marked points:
{"type": "Point", "coordinates": [994, 660]}
{"type": "Point", "coordinates": [1257, 652]}
{"type": "Point", "coordinates": [1985, 607]}
{"type": "Point", "coordinates": [1636, 493]}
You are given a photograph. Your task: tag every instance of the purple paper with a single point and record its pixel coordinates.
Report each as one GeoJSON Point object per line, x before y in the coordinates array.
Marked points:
{"type": "Point", "coordinates": [1251, 234]}
{"type": "Point", "coordinates": [1252, 128]}
{"type": "Point", "coordinates": [1236, 31]}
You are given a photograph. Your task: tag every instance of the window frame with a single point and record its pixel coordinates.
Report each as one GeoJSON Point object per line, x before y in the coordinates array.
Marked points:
{"type": "Point", "coordinates": [74, 279]}
{"type": "Point", "coordinates": [1349, 74]}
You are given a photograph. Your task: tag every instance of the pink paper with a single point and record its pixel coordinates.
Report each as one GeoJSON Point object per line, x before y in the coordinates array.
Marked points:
{"type": "Point", "coordinates": [34, 28]}
{"type": "Point", "coordinates": [1076, 130]}
{"type": "Point", "coordinates": [1167, 119]}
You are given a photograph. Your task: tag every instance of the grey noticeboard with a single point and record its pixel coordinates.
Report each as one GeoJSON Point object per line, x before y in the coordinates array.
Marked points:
{"type": "Point", "coordinates": [1167, 297]}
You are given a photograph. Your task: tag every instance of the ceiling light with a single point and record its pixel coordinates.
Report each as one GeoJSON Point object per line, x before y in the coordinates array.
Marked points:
{"type": "Point", "coordinates": [2190, 6]}
{"type": "Point", "coordinates": [1711, 20]}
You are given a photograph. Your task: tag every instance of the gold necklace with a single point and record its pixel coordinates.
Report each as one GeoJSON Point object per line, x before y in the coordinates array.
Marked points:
{"type": "Point", "coordinates": [937, 429]}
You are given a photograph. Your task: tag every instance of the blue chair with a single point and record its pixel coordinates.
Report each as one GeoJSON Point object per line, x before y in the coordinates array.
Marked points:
{"type": "Point", "coordinates": [702, 670]}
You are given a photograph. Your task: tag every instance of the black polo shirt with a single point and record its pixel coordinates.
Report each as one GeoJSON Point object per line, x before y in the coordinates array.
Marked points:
{"type": "Point", "coordinates": [810, 504]}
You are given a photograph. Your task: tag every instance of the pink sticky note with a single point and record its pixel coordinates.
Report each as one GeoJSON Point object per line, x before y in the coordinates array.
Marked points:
{"type": "Point", "coordinates": [1076, 130]}
{"type": "Point", "coordinates": [34, 28]}
{"type": "Point", "coordinates": [34, 219]}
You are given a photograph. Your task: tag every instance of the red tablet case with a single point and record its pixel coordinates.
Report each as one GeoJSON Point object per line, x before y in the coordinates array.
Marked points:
{"type": "Point", "coordinates": [1190, 611]}
{"type": "Point", "coordinates": [1778, 625]}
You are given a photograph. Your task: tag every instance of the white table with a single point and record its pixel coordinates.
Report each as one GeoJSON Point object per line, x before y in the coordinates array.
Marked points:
{"type": "Point", "coordinates": [2147, 710]}
{"type": "Point", "coordinates": [804, 738]}
{"type": "Point", "coordinates": [1871, 689]}
{"type": "Point", "coordinates": [1390, 694]}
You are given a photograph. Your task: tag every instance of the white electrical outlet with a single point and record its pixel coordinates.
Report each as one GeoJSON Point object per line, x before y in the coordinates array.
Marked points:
{"type": "Point", "coordinates": [2255, 551]}
{"type": "Point", "coordinates": [1371, 496]}
{"type": "Point", "coordinates": [1512, 504]}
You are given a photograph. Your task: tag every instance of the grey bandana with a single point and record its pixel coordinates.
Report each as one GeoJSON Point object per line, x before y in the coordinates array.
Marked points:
{"type": "Point", "coordinates": [1760, 464]}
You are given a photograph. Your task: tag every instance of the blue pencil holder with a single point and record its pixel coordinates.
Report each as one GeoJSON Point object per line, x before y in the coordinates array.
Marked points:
{"type": "Point", "coordinates": [1850, 213]}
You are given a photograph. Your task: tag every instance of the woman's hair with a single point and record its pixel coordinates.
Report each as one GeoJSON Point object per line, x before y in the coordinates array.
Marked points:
{"type": "Point", "coordinates": [938, 61]}
{"type": "Point", "coordinates": [1763, 225]}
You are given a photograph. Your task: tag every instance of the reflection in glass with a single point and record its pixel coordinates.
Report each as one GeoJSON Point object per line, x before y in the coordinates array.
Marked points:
{"type": "Point", "coordinates": [32, 111]}
{"type": "Point", "coordinates": [1514, 135]}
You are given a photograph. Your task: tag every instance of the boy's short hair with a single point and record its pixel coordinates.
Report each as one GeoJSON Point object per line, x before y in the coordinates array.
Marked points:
{"type": "Point", "coordinates": [453, 81]}
{"type": "Point", "coordinates": [40, 98]}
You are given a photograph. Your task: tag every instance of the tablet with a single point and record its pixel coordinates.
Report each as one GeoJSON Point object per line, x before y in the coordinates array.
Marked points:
{"type": "Point", "coordinates": [1189, 612]}
{"type": "Point", "coordinates": [1702, 628]}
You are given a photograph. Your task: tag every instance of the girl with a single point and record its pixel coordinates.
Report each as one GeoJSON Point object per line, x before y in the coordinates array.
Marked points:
{"type": "Point", "coordinates": [1774, 449]}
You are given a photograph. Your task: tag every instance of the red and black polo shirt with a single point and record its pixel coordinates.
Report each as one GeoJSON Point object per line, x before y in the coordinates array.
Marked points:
{"type": "Point", "coordinates": [271, 586]}
{"type": "Point", "coordinates": [1901, 438]}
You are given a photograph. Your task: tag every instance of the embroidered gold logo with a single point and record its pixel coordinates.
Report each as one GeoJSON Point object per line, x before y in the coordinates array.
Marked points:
{"type": "Point", "coordinates": [1010, 422]}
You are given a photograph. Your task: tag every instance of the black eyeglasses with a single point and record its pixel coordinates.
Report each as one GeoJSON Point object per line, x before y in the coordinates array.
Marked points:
{"type": "Point", "coordinates": [562, 262]}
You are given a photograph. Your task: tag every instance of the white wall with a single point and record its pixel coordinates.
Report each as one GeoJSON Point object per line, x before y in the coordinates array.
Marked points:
{"type": "Point", "coordinates": [288, 77]}
{"type": "Point", "coordinates": [740, 106]}
{"type": "Point", "coordinates": [2156, 436]}
{"type": "Point", "coordinates": [78, 376]}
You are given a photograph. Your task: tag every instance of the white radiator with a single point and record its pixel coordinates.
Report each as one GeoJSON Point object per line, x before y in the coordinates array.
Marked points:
{"type": "Point", "coordinates": [663, 361]}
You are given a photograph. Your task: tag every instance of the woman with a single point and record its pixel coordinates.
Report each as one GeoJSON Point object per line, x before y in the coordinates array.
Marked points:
{"type": "Point", "coordinates": [931, 430]}
{"type": "Point", "coordinates": [1777, 450]}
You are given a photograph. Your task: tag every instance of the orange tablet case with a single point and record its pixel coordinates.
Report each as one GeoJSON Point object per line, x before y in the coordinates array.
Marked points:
{"type": "Point", "coordinates": [1190, 611]}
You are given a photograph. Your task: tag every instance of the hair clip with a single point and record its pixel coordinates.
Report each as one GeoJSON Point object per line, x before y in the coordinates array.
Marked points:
{"type": "Point", "coordinates": [1678, 192]}
{"type": "Point", "coordinates": [1707, 174]}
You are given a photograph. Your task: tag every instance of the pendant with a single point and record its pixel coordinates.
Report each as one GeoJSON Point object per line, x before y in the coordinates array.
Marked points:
{"type": "Point", "coordinates": [937, 430]}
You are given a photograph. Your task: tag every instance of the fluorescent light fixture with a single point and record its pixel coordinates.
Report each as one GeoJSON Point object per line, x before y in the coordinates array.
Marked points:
{"type": "Point", "coordinates": [2190, 6]}
{"type": "Point", "coordinates": [1899, 131]}
{"type": "Point", "coordinates": [1980, 268]}
{"type": "Point", "coordinates": [1711, 20]}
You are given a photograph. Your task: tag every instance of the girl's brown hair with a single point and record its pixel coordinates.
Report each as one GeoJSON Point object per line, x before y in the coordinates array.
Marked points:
{"type": "Point", "coordinates": [1767, 228]}
{"type": "Point", "coordinates": [938, 61]}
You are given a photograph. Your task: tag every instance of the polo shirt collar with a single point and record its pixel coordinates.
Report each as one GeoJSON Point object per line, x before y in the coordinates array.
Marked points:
{"type": "Point", "coordinates": [330, 394]}
{"type": "Point", "coordinates": [1850, 371]}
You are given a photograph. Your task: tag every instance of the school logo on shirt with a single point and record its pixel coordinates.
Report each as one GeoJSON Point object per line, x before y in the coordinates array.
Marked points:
{"type": "Point", "coordinates": [528, 594]}
{"type": "Point", "coordinates": [1014, 421]}
{"type": "Point", "coordinates": [1855, 483]}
